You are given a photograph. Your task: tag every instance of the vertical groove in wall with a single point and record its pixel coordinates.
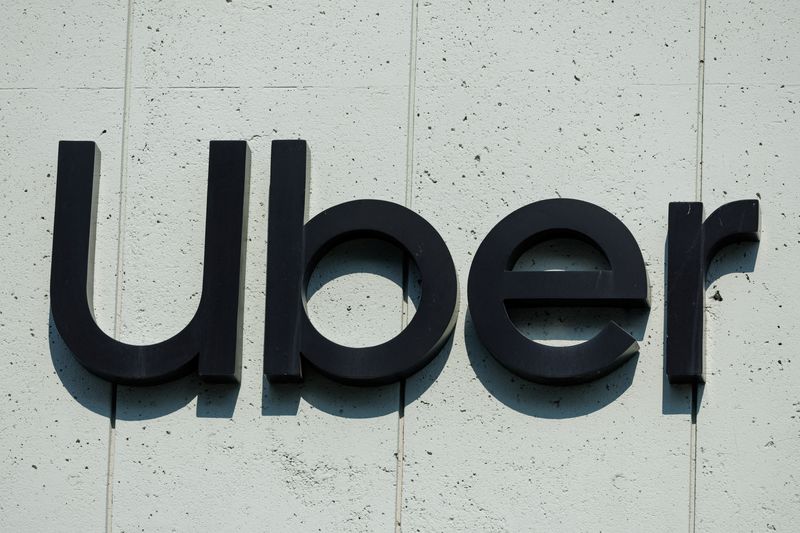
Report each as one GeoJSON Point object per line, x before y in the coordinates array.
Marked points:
{"type": "Point", "coordinates": [701, 79]}
{"type": "Point", "coordinates": [123, 180]}
{"type": "Point", "coordinates": [693, 462]}
{"type": "Point", "coordinates": [409, 192]}
{"type": "Point", "coordinates": [398, 503]}
{"type": "Point", "coordinates": [112, 428]}
{"type": "Point", "coordinates": [698, 192]}
{"type": "Point", "coordinates": [412, 81]}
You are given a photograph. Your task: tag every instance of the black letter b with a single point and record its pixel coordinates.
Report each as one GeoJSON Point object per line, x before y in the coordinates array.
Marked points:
{"type": "Point", "coordinates": [293, 250]}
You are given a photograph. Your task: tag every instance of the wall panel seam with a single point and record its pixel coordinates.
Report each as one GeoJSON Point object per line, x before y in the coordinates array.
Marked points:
{"type": "Point", "coordinates": [123, 181]}
{"type": "Point", "coordinates": [701, 71]}
{"type": "Point", "coordinates": [409, 192]}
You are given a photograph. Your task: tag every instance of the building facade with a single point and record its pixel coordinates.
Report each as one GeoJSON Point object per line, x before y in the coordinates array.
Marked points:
{"type": "Point", "coordinates": [462, 112]}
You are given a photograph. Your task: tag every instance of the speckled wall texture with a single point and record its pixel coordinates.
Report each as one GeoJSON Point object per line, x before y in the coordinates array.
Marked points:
{"type": "Point", "coordinates": [462, 111]}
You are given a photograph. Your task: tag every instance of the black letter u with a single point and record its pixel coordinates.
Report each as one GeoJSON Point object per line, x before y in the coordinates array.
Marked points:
{"type": "Point", "coordinates": [211, 341]}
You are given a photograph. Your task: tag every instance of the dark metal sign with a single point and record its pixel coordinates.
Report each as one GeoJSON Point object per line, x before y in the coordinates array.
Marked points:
{"type": "Point", "coordinates": [211, 341]}
{"type": "Point", "coordinates": [493, 287]}
{"type": "Point", "coordinates": [691, 245]}
{"type": "Point", "coordinates": [294, 249]}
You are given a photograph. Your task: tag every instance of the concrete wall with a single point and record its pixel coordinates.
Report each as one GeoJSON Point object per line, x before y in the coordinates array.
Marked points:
{"type": "Point", "coordinates": [462, 111]}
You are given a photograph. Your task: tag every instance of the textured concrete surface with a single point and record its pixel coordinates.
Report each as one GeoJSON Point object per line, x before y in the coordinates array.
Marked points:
{"type": "Point", "coordinates": [484, 449]}
{"type": "Point", "coordinates": [286, 456]}
{"type": "Point", "coordinates": [748, 437]}
{"type": "Point", "coordinates": [464, 112]}
{"type": "Point", "coordinates": [54, 84]}
{"type": "Point", "coordinates": [54, 438]}
{"type": "Point", "coordinates": [313, 458]}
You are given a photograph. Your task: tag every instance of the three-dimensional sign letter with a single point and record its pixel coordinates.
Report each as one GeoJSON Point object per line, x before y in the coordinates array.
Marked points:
{"type": "Point", "coordinates": [293, 250]}
{"type": "Point", "coordinates": [691, 245]}
{"type": "Point", "coordinates": [211, 342]}
{"type": "Point", "coordinates": [493, 286]}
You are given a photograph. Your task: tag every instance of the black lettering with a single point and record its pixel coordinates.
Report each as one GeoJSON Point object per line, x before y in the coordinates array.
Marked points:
{"type": "Point", "coordinates": [211, 341]}
{"type": "Point", "coordinates": [493, 285]}
{"type": "Point", "coordinates": [293, 251]}
{"type": "Point", "coordinates": [691, 245]}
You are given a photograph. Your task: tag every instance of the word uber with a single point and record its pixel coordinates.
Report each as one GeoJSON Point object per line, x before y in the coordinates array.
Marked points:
{"type": "Point", "coordinates": [211, 342]}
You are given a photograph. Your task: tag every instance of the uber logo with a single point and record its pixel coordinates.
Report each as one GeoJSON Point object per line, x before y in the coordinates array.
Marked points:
{"type": "Point", "coordinates": [211, 342]}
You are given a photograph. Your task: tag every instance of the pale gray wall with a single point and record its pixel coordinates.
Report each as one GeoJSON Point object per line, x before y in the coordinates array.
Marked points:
{"type": "Point", "coordinates": [462, 111]}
